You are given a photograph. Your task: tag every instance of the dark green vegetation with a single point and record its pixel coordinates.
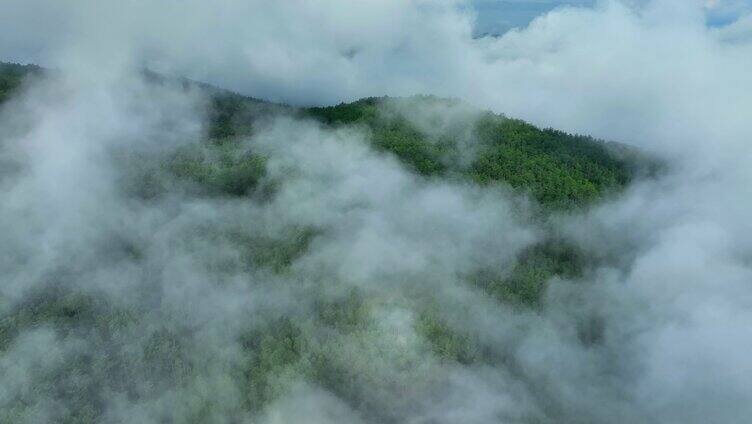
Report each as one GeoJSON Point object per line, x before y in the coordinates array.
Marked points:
{"type": "Point", "coordinates": [12, 75]}
{"type": "Point", "coordinates": [338, 343]}
{"type": "Point", "coordinates": [560, 170]}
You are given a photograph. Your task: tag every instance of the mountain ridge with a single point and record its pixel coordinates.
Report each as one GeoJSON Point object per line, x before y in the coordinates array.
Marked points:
{"type": "Point", "coordinates": [557, 168]}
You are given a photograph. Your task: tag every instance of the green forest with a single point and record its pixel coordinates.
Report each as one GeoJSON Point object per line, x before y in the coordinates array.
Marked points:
{"type": "Point", "coordinates": [556, 172]}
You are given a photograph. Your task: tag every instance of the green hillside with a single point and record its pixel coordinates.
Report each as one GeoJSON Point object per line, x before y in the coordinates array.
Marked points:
{"type": "Point", "coordinates": [443, 140]}
{"type": "Point", "coordinates": [558, 169]}
{"type": "Point", "coordinates": [11, 77]}
{"type": "Point", "coordinates": [561, 171]}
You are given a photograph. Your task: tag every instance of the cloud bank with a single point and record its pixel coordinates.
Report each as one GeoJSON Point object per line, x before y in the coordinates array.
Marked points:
{"type": "Point", "coordinates": [665, 306]}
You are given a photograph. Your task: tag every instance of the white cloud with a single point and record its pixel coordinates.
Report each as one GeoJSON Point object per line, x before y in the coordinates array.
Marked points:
{"type": "Point", "coordinates": [673, 298]}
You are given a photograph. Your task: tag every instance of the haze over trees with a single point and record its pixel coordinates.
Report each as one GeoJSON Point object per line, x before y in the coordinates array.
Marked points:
{"type": "Point", "coordinates": [434, 140]}
{"type": "Point", "coordinates": [398, 220]}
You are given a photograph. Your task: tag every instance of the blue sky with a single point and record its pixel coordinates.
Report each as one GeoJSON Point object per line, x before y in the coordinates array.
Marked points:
{"type": "Point", "coordinates": [498, 16]}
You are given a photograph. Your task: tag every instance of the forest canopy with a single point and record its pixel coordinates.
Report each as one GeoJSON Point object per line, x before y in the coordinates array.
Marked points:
{"type": "Point", "coordinates": [435, 141]}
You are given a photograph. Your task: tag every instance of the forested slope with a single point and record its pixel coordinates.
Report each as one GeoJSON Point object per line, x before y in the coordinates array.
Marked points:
{"type": "Point", "coordinates": [434, 139]}
{"type": "Point", "coordinates": [558, 169]}
{"type": "Point", "coordinates": [12, 75]}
